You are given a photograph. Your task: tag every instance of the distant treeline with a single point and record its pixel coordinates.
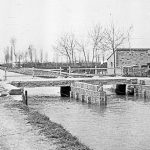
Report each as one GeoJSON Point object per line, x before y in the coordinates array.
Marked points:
{"type": "Point", "coordinates": [53, 65]}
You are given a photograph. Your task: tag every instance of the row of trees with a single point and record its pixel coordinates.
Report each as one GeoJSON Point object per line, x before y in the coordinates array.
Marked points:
{"type": "Point", "coordinates": [100, 40]}
{"type": "Point", "coordinates": [91, 49]}
{"type": "Point", "coordinates": [28, 55]}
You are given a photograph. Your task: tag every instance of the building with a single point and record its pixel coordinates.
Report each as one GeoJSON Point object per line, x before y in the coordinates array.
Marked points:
{"type": "Point", "coordinates": [126, 57]}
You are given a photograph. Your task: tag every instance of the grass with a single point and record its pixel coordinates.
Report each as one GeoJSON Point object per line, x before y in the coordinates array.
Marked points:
{"type": "Point", "coordinates": [51, 130]}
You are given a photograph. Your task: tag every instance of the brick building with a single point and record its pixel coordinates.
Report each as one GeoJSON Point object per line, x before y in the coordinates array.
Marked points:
{"type": "Point", "coordinates": [125, 57]}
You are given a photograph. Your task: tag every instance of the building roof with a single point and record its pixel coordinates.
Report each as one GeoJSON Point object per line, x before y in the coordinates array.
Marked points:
{"type": "Point", "coordinates": [130, 49]}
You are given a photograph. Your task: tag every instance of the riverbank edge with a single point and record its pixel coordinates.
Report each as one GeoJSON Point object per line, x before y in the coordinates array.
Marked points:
{"type": "Point", "coordinates": [55, 132]}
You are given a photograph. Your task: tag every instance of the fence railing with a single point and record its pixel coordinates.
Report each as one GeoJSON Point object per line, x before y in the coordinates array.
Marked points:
{"type": "Point", "coordinates": [35, 72]}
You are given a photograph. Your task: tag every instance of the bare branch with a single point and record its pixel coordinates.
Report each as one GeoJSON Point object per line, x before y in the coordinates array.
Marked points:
{"type": "Point", "coordinates": [96, 36]}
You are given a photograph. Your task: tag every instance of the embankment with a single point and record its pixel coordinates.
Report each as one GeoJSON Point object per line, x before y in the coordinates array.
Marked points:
{"type": "Point", "coordinates": [52, 131]}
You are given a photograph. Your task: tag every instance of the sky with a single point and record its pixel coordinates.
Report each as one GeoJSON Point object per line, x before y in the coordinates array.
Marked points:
{"type": "Point", "coordinates": [41, 22]}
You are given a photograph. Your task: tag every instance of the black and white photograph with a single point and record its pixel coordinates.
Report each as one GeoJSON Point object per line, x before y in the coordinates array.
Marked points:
{"type": "Point", "coordinates": [74, 75]}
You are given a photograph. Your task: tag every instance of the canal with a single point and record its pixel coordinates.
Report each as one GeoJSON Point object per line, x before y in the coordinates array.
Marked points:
{"type": "Point", "coordinates": [122, 125]}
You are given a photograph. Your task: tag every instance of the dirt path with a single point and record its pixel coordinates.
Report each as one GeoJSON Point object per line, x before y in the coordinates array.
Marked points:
{"type": "Point", "coordinates": [16, 133]}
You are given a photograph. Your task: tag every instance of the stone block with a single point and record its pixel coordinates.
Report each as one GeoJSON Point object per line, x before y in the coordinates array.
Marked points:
{"type": "Point", "coordinates": [16, 92]}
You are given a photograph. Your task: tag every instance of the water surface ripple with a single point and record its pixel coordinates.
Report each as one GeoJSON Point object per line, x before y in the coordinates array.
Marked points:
{"type": "Point", "coordinates": [122, 125]}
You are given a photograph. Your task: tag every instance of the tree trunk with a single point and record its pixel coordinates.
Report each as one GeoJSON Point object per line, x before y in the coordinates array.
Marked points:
{"type": "Point", "coordinates": [114, 62]}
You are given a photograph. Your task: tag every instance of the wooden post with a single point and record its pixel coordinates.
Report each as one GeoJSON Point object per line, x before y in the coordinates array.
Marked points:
{"type": "Point", "coordinates": [33, 72]}
{"type": "Point", "coordinates": [26, 98]}
{"type": "Point", "coordinates": [5, 78]}
{"type": "Point", "coordinates": [95, 69]}
{"type": "Point", "coordinates": [144, 94]}
{"type": "Point", "coordinates": [71, 94]}
{"type": "Point", "coordinates": [105, 99]}
{"type": "Point", "coordinates": [69, 70]}
{"type": "Point", "coordinates": [60, 71]}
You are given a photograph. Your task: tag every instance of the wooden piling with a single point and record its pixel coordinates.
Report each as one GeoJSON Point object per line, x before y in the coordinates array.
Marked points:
{"type": "Point", "coordinates": [26, 98]}
{"type": "Point", "coordinates": [144, 93]}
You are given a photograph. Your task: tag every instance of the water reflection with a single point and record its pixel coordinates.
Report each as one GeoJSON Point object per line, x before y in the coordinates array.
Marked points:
{"type": "Point", "coordinates": [97, 108]}
{"type": "Point", "coordinates": [121, 125]}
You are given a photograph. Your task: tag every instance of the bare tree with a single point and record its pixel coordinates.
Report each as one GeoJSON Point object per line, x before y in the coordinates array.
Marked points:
{"type": "Point", "coordinates": [66, 46]}
{"type": "Point", "coordinates": [6, 55]}
{"type": "Point", "coordinates": [82, 47]}
{"type": "Point", "coordinates": [30, 51]}
{"type": "Point", "coordinates": [129, 35]}
{"type": "Point", "coordinates": [26, 56]}
{"type": "Point", "coordinates": [114, 38]}
{"type": "Point", "coordinates": [46, 57]}
{"type": "Point", "coordinates": [20, 57]}
{"type": "Point", "coordinates": [11, 54]}
{"type": "Point", "coordinates": [96, 37]}
{"type": "Point", "coordinates": [41, 55]}
{"type": "Point", "coordinates": [13, 48]}
{"type": "Point", "coordinates": [35, 55]}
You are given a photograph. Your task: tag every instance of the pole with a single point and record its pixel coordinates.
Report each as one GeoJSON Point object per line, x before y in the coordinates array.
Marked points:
{"type": "Point", "coordinates": [33, 72]}
{"type": "Point", "coordinates": [95, 69]}
{"type": "Point", "coordinates": [60, 71]}
{"type": "Point", "coordinates": [26, 98]}
{"type": "Point", "coordinates": [69, 70]}
{"type": "Point", "coordinates": [5, 74]}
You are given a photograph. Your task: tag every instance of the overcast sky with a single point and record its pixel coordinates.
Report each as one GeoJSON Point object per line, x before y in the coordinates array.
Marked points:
{"type": "Point", "coordinates": [40, 22]}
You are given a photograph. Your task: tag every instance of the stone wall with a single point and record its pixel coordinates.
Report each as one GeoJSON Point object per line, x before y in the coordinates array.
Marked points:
{"type": "Point", "coordinates": [133, 57]}
{"type": "Point", "coordinates": [88, 93]}
{"type": "Point", "coordinates": [134, 72]}
{"type": "Point", "coordinates": [142, 90]}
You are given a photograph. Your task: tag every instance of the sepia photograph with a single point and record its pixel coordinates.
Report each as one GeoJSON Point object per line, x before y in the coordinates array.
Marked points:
{"type": "Point", "coordinates": [74, 74]}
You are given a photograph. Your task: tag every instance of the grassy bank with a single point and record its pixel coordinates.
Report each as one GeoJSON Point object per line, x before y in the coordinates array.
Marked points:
{"type": "Point", "coordinates": [52, 131]}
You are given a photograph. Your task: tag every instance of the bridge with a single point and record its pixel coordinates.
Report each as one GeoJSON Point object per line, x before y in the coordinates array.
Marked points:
{"type": "Point", "coordinates": [40, 82]}
{"type": "Point", "coordinates": [66, 84]}
{"type": "Point", "coordinates": [55, 77]}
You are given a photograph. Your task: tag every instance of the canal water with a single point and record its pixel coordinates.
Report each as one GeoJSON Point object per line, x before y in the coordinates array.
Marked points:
{"type": "Point", "coordinates": [124, 124]}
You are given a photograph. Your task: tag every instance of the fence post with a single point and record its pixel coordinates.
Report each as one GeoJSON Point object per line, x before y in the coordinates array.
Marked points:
{"type": "Point", "coordinates": [95, 69]}
{"type": "Point", "coordinates": [26, 98]}
{"type": "Point", "coordinates": [5, 78]}
{"type": "Point", "coordinates": [32, 72]}
{"type": "Point", "coordinates": [60, 71]}
{"type": "Point", "coordinates": [69, 70]}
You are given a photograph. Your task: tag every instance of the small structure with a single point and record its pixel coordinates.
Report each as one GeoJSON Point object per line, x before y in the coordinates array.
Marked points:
{"type": "Point", "coordinates": [127, 89]}
{"type": "Point", "coordinates": [125, 57]}
{"type": "Point", "coordinates": [88, 93]}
